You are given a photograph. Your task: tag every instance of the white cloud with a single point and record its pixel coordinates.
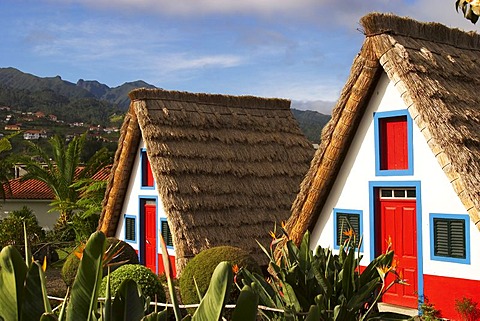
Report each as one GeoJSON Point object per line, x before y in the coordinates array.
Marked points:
{"type": "Point", "coordinates": [195, 7]}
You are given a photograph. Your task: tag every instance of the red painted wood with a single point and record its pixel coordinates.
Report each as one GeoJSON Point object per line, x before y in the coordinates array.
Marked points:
{"type": "Point", "coordinates": [393, 143]}
{"type": "Point", "coordinates": [398, 222]}
{"type": "Point", "coordinates": [149, 173]}
{"type": "Point", "coordinates": [150, 237]}
{"type": "Point", "coordinates": [161, 269]}
{"type": "Point", "coordinates": [443, 291]}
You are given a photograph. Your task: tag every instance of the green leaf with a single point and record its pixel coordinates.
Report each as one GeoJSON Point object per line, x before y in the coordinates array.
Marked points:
{"type": "Point", "coordinates": [48, 317]}
{"type": "Point", "coordinates": [290, 297]}
{"type": "Point", "coordinates": [108, 299]}
{"type": "Point", "coordinates": [348, 283]}
{"type": "Point", "coordinates": [314, 314]}
{"type": "Point", "coordinates": [12, 276]}
{"type": "Point", "coordinates": [157, 316]}
{"type": "Point", "coordinates": [359, 299]}
{"type": "Point", "coordinates": [83, 299]}
{"type": "Point", "coordinates": [129, 302]}
{"type": "Point", "coordinates": [247, 305]}
{"type": "Point", "coordinates": [212, 304]}
{"type": "Point", "coordinates": [36, 300]}
{"type": "Point", "coordinates": [168, 274]}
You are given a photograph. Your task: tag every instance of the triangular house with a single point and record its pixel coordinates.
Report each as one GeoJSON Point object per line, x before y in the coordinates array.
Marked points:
{"type": "Point", "coordinates": [400, 159]}
{"type": "Point", "coordinates": [203, 170]}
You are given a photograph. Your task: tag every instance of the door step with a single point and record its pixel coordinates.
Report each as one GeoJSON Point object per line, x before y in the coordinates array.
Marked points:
{"type": "Point", "coordinates": [385, 307]}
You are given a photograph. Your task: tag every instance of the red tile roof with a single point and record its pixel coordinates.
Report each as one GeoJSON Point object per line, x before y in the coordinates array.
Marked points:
{"type": "Point", "coordinates": [29, 189]}
{"type": "Point", "coordinates": [34, 189]}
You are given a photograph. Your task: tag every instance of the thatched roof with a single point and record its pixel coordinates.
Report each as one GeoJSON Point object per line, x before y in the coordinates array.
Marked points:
{"type": "Point", "coordinates": [437, 72]}
{"type": "Point", "coordinates": [227, 168]}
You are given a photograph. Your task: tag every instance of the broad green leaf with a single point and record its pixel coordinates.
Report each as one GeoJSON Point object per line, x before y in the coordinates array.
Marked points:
{"type": "Point", "coordinates": [247, 305]}
{"type": "Point", "coordinates": [348, 283]}
{"type": "Point", "coordinates": [83, 299]}
{"type": "Point", "coordinates": [129, 302]}
{"type": "Point", "coordinates": [157, 316]}
{"type": "Point", "coordinates": [290, 297]}
{"type": "Point", "coordinates": [314, 314]}
{"type": "Point", "coordinates": [36, 300]}
{"type": "Point", "coordinates": [212, 304]}
{"type": "Point", "coordinates": [12, 277]}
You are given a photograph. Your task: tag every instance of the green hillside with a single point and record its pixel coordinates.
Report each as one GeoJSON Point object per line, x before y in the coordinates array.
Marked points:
{"type": "Point", "coordinates": [94, 103]}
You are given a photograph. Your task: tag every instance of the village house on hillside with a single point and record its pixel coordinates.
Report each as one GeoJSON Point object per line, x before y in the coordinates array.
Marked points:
{"type": "Point", "coordinates": [400, 160]}
{"type": "Point", "coordinates": [36, 195]}
{"type": "Point", "coordinates": [203, 170]}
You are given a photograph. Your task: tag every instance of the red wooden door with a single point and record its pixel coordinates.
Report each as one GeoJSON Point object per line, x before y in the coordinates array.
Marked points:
{"type": "Point", "coordinates": [150, 237]}
{"type": "Point", "coordinates": [398, 223]}
{"type": "Point", "coordinates": [394, 143]}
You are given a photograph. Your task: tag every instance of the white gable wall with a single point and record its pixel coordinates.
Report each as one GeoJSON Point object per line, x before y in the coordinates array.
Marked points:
{"type": "Point", "coordinates": [131, 205]}
{"type": "Point", "coordinates": [351, 189]}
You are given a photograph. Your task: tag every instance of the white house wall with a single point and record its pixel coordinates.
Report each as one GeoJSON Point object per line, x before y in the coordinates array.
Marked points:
{"type": "Point", "coordinates": [351, 189]}
{"type": "Point", "coordinates": [131, 205]}
{"type": "Point", "coordinates": [39, 207]}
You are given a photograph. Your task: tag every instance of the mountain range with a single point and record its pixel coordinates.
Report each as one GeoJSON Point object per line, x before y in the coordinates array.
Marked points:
{"type": "Point", "coordinates": [92, 102]}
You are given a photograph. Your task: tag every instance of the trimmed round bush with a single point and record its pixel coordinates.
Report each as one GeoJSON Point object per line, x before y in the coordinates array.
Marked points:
{"type": "Point", "coordinates": [70, 267]}
{"type": "Point", "coordinates": [201, 268]}
{"type": "Point", "coordinates": [145, 278]}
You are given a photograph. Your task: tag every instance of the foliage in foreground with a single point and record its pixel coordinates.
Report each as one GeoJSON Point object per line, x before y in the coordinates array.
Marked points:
{"type": "Point", "coordinates": [322, 285]}
{"type": "Point", "coordinates": [197, 273]}
{"type": "Point", "coordinates": [148, 281]}
{"type": "Point", "coordinates": [306, 286]}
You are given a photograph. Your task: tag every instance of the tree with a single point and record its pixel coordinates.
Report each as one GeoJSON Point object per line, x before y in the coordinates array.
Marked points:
{"type": "Point", "coordinates": [62, 170]}
{"type": "Point", "coordinates": [6, 163]}
{"type": "Point", "coordinates": [470, 9]}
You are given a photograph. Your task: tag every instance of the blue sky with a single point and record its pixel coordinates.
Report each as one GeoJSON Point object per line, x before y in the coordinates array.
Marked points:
{"type": "Point", "coordinates": [296, 49]}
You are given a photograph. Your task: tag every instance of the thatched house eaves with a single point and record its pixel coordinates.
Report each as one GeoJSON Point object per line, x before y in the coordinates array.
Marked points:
{"type": "Point", "coordinates": [226, 167]}
{"type": "Point", "coordinates": [437, 73]}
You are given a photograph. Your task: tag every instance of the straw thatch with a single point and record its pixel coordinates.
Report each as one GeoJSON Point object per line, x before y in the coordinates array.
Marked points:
{"type": "Point", "coordinates": [437, 72]}
{"type": "Point", "coordinates": [226, 168]}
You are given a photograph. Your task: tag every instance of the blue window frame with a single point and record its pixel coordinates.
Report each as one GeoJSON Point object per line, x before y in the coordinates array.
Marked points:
{"type": "Point", "coordinates": [343, 220]}
{"type": "Point", "coordinates": [450, 238]}
{"type": "Point", "coordinates": [166, 233]}
{"type": "Point", "coordinates": [378, 118]}
{"type": "Point", "coordinates": [130, 228]}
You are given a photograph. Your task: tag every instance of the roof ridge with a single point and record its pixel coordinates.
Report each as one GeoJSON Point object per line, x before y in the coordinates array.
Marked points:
{"type": "Point", "coordinates": [246, 101]}
{"type": "Point", "coordinates": [380, 23]}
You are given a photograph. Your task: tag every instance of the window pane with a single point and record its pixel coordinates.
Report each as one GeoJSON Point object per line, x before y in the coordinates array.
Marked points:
{"type": "Point", "coordinates": [386, 193]}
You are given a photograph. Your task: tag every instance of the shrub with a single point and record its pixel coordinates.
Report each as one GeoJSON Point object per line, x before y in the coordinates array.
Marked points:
{"type": "Point", "coordinates": [201, 268]}
{"type": "Point", "coordinates": [467, 308]}
{"type": "Point", "coordinates": [128, 254]}
{"type": "Point", "coordinates": [11, 228]}
{"type": "Point", "coordinates": [146, 279]}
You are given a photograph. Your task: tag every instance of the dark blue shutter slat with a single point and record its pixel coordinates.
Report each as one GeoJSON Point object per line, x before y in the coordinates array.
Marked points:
{"type": "Point", "coordinates": [449, 237]}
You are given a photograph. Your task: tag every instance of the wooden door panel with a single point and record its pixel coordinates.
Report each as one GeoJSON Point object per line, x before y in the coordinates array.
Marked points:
{"type": "Point", "coordinates": [398, 224]}
{"type": "Point", "coordinates": [150, 237]}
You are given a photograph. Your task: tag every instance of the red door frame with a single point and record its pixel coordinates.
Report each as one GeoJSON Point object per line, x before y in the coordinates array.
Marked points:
{"type": "Point", "coordinates": [148, 232]}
